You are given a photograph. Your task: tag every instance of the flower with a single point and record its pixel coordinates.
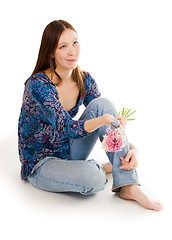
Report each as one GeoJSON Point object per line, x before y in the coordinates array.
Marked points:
{"type": "Point", "coordinates": [115, 123]}
{"type": "Point", "coordinates": [115, 139]}
{"type": "Point", "coordinates": [113, 142]}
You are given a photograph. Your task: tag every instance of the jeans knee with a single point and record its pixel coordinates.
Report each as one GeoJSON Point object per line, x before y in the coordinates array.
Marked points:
{"type": "Point", "coordinates": [97, 179]}
{"type": "Point", "coordinates": [103, 105]}
{"type": "Point", "coordinates": [101, 101]}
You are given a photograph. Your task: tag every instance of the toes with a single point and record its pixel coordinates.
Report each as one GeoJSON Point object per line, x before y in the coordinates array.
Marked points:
{"type": "Point", "coordinates": [158, 205]}
{"type": "Point", "coordinates": [154, 205]}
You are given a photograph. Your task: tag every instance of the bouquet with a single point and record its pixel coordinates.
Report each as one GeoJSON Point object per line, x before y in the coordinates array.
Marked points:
{"type": "Point", "coordinates": [115, 140]}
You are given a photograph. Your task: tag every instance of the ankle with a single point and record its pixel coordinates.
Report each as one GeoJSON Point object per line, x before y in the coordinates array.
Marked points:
{"type": "Point", "coordinates": [129, 188]}
{"type": "Point", "coordinates": [129, 191]}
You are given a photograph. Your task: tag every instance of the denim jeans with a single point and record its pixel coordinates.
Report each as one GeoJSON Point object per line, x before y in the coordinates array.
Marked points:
{"type": "Point", "coordinates": [77, 174]}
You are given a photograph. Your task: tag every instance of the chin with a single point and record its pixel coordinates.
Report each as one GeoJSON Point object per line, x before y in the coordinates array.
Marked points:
{"type": "Point", "coordinates": [71, 67]}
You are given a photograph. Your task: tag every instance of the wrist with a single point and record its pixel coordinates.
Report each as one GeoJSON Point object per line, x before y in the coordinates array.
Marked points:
{"type": "Point", "coordinates": [134, 151]}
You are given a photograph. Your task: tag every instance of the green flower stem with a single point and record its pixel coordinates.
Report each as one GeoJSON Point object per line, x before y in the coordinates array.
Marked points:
{"type": "Point", "coordinates": [126, 113]}
{"type": "Point", "coordinates": [130, 114]}
{"type": "Point", "coordinates": [123, 111]}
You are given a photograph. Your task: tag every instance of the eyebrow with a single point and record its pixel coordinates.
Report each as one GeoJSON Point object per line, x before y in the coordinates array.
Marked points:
{"type": "Point", "coordinates": [66, 42]}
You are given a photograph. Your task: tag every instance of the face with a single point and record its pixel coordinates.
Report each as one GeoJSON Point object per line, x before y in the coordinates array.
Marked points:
{"type": "Point", "coordinates": [68, 50]}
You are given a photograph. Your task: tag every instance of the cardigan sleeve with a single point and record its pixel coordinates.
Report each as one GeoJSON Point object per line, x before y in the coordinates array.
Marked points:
{"type": "Point", "coordinates": [91, 89]}
{"type": "Point", "coordinates": [53, 112]}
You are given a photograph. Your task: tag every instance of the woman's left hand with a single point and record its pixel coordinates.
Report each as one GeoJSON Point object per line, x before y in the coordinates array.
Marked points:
{"type": "Point", "coordinates": [130, 161]}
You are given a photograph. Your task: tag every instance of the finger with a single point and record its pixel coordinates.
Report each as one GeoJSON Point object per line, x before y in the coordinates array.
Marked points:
{"type": "Point", "coordinates": [125, 167]}
{"type": "Point", "coordinates": [123, 161]}
{"type": "Point", "coordinates": [133, 162]}
{"type": "Point", "coordinates": [128, 166]}
{"type": "Point", "coordinates": [128, 157]}
{"type": "Point", "coordinates": [119, 118]}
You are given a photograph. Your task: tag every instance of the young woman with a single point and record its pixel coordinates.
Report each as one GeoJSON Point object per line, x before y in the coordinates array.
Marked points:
{"type": "Point", "coordinates": [53, 147]}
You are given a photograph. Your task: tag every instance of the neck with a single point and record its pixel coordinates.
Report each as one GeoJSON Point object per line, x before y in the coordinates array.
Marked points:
{"type": "Point", "coordinates": [65, 75]}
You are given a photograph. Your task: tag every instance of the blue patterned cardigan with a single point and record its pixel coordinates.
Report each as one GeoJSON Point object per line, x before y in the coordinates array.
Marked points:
{"type": "Point", "coordinates": [45, 127]}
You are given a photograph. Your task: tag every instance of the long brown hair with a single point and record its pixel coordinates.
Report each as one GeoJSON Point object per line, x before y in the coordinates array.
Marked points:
{"type": "Point", "coordinates": [49, 42]}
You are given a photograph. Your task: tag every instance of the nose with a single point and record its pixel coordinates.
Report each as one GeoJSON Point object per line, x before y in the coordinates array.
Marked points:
{"type": "Point", "coordinates": [72, 51]}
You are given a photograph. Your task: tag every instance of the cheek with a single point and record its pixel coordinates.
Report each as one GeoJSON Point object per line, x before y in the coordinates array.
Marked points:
{"type": "Point", "coordinates": [59, 56]}
{"type": "Point", "coordinates": [78, 50]}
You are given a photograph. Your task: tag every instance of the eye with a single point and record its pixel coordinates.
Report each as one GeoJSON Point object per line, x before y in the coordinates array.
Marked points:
{"type": "Point", "coordinates": [63, 46]}
{"type": "Point", "coordinates": [76, 43]}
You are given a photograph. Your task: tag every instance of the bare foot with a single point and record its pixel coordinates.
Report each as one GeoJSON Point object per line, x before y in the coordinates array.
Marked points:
{"type": "Point", "coordinates": [133, 192]}
{"type": "Point", "coordinates": [107, 167]}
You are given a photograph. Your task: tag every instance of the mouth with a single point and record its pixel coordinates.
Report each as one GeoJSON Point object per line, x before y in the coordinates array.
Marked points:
{"type": "Point", "coordinates": [71, 60]}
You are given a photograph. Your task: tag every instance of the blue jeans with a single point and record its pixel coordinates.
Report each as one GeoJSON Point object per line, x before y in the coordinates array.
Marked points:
{"type": "Point", "coordinates": [77, 174]}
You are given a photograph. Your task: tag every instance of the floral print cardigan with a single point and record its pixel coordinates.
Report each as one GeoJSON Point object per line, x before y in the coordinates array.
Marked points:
{"type": "Point", "coordinates": [44, 126]}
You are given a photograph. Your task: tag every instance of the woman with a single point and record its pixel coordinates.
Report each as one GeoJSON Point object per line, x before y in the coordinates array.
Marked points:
{"type": "Point", "coordinates": [53, 147]}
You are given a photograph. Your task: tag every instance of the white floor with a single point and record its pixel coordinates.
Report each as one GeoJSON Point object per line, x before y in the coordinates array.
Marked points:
{"type": "Point", "coordinates": [29, 213]}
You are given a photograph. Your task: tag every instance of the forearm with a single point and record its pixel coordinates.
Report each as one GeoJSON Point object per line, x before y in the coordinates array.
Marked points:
{"type": "Point", "coordinates": [93, 124]}
{"type": "Point", "coordinates": [132, 147]}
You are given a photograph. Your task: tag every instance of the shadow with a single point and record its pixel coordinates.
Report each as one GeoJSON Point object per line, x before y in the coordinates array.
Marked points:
{"type": "Point", "coordinates": [104, 203]}
{"type": "Point", "coordinates": [10, 172]}
{"type": "Point", "coordinates": [75, 195]}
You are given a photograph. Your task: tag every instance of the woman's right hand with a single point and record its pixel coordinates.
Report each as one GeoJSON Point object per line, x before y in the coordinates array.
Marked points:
{"type": "Point", "coordinates": [122, 120]}
{"type": "Point", "coordinates": [107, 119]}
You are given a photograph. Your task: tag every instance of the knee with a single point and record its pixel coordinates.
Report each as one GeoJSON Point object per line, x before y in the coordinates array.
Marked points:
{"type": "Point", "coordinates": [97, 179]}
{"type": "Point", "coordinates": [103, 105]}
{"type": "Point", "coordinates": [101, 101]}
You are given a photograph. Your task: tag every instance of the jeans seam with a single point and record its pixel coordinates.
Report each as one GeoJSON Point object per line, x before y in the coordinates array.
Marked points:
{"type": "Point", "coordinates": [69, 184]}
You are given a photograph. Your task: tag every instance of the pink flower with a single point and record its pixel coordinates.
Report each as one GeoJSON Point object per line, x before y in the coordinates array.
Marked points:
{"type": "Point", "coordinates": [114, 142]}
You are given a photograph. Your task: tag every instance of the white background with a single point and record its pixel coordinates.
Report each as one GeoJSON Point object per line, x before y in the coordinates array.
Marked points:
{"type": "Point", "coordinates": [126, 46]}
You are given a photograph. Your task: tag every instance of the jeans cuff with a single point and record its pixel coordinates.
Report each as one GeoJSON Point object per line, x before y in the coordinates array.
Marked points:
{"type": "Point", "coordinates": [117, 188]}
